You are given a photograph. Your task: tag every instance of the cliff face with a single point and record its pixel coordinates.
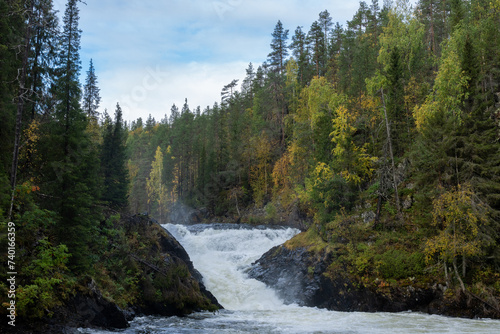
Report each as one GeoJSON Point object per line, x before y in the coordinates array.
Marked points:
{"type": "Point", "coordinates": [171, 284]}
{"type": "Point", "coordinates": [304, 277]}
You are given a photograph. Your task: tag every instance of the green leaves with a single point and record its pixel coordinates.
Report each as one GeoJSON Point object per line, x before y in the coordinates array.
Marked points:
{"type": "Point", "coordinates": [47, 276]}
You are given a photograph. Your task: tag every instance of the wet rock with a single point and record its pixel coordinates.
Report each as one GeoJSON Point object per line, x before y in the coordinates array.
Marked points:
{"type": "Point", "coordinates": [170, 283]}
{"type": "Point", "coordinates": [299, 277]}
{"type": "Point", "coordinates": [90, 309]}
{"type": "Point", "coordinates": [169, 245]}
{"type": "Point", "coordinates": [292, 273]}
{"type": "Point", "coordinates": [183, 214]}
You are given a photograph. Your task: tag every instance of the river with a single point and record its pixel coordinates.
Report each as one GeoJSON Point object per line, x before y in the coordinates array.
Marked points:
{"type": "Point", "coordinates": [223, 253]}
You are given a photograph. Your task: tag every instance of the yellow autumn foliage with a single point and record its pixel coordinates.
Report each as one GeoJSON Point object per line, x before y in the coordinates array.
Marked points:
{"type": "Point", "coordinates": [353, 161]}
{"type": "Point", "coordinates": [449, 88]}
{"type": "Point", "coordinates": [459, 214]}
{"type": "Point", "coordinates": [31, 137]}
{"type": "Point", "coordinates": [260, 153]}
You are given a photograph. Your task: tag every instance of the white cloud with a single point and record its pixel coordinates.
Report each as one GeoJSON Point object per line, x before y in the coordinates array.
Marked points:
{"type": "Point", "coordinates": [153, 90]}
{"type": "Point", "coordinates": [201, 44]}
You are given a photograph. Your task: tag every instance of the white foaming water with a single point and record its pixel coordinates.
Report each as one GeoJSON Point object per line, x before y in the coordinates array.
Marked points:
{"type": "Point", "coordinates": [223, 255]}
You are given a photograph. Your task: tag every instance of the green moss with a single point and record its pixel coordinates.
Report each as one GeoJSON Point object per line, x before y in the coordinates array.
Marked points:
{"type": "Point", "coordinates": [309, 240]}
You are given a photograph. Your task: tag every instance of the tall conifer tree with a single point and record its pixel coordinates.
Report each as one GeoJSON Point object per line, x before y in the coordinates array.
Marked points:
{"type": "Point", "coordinates": [279, 48]}
{"type": "Point", "coordinates": [316, 41]}
{"type": "Point", "coordinates": [113, 160]}
{"type": "Point", "coordinates": [74, 164]}
{"type": "Point", "coordinates": [299, 50]}
{"type": "Point", "coordinates": [91, 97]}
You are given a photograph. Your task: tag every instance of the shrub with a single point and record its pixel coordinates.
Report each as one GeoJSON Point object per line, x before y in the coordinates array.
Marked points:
{"type": "Point", "coordinates": [399, 264]}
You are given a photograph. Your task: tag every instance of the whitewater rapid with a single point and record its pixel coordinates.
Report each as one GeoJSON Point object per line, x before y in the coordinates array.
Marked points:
{"type": "Point", "coordinates": [222, 257]}
{"type": "Point", "coordinates": [223, 253]}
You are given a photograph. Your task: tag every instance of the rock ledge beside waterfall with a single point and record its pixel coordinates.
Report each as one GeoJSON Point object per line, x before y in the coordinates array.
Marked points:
{"type": "Point", "coordinates": [304, 277]}
{"type": "Point", "coordinates": [169, 285]}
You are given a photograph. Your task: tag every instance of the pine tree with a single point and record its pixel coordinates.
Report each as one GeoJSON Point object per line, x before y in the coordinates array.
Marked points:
{"type": "Point", "coordinates": [316, 41]}
{"type": "Point", "coordinates": [334, 50]}
{"type": "Point", "coordinates": [300, 52]}
{"type": "Point", "coordinates": [433, 14]}
{"type": "Point", "coordinates": [325, 22]}
{"type": "Point", "coordinates": [228, 91]}
{"type": "Point", "coordinates": [279, 48]}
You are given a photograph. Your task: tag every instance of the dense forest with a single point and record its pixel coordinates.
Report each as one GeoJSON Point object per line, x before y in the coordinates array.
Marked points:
{"type": "Point", "coordinates": [383, 135]}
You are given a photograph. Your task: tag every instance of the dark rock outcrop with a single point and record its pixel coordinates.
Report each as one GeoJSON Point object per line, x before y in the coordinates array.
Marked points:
{"type": "Point", "coordinates": [301, 277]}
{"type": "Point", "coordinates": [88, 308]}
{"type": "Point", "coordinates": [290, 273]}
{"type": "Point", "coordinates": [196, 297]}
{"type": "Point", "coordinates": [169, 285]}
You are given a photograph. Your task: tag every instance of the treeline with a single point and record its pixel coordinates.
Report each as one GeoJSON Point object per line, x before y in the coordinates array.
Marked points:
{"type": "Point", "coordinates": [397, 111]}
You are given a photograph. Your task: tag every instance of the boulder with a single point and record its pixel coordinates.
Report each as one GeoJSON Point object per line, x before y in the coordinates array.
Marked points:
{"type": "Point", "coordinates": [89, 309]}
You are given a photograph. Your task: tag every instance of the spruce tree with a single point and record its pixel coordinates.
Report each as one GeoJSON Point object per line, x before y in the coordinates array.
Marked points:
{"type": "Point", "coordinates": [72, 175]}
{"type": "Point", "coordinates": [247, 84]}
{"type": "Point", "coordinates": [42, 57]}
{"type": "Point", "coordinates": [174, 114]}
{"type": "Point", "coordinates": [113, 160]}
{"type": "Point", "coordinates": [11, 30]}
{"type": "Point", "coordinates": [91, 98]}
{"type": "Point", "coordinates": [395, 101]}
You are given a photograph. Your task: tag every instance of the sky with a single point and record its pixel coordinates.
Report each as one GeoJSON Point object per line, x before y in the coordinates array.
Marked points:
{"type": "Point", "coordinates": [151, 54]}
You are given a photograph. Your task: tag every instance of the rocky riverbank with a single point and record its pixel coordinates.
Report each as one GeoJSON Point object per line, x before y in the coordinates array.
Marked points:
{"type": "Point", "coordinates": [165, 283]}
{"type": "Point", "coordinates": [306, 278]}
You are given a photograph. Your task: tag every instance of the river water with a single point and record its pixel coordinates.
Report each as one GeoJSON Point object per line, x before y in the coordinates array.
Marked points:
{"type": "Point", "coordinates": [222, 253]}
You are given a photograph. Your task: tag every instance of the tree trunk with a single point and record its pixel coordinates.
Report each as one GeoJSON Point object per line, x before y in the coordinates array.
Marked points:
{"type": "Point", "coordinates": [237, 206]}
{"type": "Point", "coordinates": [464, 266]}
{"type": "Point", "coordinates": [379, 209]}
{"type": "Point", "coordinates": [458, 275]}
{"type": "Point", "coordinates": [388, 128]}
{"type": "Point", "coordinates": [19, 116]}
{"type": "Point", "coordinates": [446, 273]}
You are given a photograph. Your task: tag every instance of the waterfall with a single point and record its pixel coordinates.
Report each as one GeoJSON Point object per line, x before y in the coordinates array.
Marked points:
{"type": "Point", "coordinates": [223, 254]}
